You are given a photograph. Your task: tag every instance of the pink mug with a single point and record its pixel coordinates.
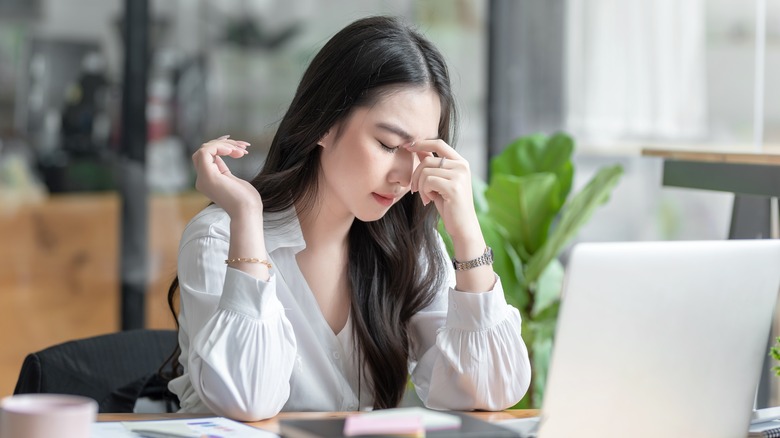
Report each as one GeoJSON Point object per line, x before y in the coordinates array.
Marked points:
{"type": "Point", "coordinates": [46, 415]}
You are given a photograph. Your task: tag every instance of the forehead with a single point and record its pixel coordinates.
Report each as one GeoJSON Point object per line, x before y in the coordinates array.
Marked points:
{"type": "Point", "coordinates": [415, 110]}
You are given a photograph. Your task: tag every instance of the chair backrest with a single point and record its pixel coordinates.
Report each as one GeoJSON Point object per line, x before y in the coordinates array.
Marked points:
{"type": "Point", "coordinates": [114, 369]}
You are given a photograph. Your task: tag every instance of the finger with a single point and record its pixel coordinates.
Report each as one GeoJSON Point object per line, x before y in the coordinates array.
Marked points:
{"type": "Point", "coordinates": [421, 157]}
{"type": "Point", "coordinates": [430, 175]}
{"type": "Point", "coordinates": [221, 166]}
{"type": "Point", "coordinates": [227, 139]}
{"type": "Point", "coordinates": [433, 187]}
{"type": "Point", "coordinates": [225, 147]}
{"type": "Point", "coordinates": [205, 157]}
{"type": "Point", "coordinates": [424, 181]}
{"type": "Point", "coordinates": [437, 146]}
{"type": "Point", "coordinates": [237, 143]}
{"type": "Point", "coordinates": [429, 162]}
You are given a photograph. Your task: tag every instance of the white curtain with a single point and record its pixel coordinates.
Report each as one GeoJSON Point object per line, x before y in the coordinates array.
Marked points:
{"type": "Point", "coordinates": [636, 69]}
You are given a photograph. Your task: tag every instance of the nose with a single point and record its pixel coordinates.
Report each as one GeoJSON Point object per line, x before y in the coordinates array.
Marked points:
{"type": "Point", "coordinates": [404, 164]}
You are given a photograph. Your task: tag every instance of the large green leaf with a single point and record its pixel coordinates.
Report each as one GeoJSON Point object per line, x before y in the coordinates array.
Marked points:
{"type": "Point", "coordinates": [556, 158]}
{"type": "Point", "coordinates": [555, 153]}
{"type": "Point", "coordinates": [547, 290]}
{"type": "Point", "coordinates": [543, 329]}
{"type": "Point", "coordinates": [506, 263]}
{"type": "Point", "coordinates": [478, 188]}
{"type": "Point", "coordinates": [573, 216]}
{"type": "Point", "coordinates": [525, 207]}
{"type": "Point", "coordinates": [538, 336]}
{"type": "Point", "coordinates": [538, 154]}
{"type": "Point", "coordinates": [519, 157]}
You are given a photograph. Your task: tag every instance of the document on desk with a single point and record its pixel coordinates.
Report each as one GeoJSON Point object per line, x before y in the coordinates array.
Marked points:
{"type": "Point", "coordinates": [210, 427]}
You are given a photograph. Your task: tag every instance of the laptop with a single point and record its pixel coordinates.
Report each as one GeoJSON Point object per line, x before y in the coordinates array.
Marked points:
{"type": "Point", "coordinates": [661, 339]}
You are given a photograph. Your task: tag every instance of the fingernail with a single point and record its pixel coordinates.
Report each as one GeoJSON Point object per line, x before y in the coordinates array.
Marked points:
{"type": "Point", "coordinates": [224, 137]}
{"type": "Point", "coordinates": [243, 143]}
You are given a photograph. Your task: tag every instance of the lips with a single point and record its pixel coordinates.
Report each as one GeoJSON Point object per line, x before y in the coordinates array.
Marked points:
{"type": "Point", "coordinates": [384, 199]}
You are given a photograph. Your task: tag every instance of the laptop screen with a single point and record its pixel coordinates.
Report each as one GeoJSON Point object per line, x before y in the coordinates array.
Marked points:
{"type": "Point", "coordinates": [661, 338]}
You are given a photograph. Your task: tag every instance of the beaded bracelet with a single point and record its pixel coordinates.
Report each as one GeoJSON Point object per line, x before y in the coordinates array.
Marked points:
{"type": "Point", "coordinates": [249, 260]}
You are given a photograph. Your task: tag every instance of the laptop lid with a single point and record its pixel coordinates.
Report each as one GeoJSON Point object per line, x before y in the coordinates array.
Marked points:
{"type": "Point", "coordinates": [661, 339]}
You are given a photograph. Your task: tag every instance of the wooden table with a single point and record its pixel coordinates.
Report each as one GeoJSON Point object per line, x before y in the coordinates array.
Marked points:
{"type": "Point", "coordinates": [739, 170]}
{"type": "Point", "coordinates": [272, 424]}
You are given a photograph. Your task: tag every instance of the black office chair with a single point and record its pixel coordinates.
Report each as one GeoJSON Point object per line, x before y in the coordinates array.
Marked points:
{"type": "Point", "coordinates": [114, 369]}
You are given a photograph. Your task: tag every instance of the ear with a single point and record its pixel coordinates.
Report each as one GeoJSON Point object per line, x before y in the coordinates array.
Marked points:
{"type": "Point", "coordinates": [327, 139]}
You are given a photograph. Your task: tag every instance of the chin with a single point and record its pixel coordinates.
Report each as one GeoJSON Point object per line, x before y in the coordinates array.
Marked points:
{"type": "Point", "coordinates": [372, 217]}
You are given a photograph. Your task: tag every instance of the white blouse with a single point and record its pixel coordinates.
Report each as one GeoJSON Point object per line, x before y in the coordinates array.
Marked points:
{"type": "Point", "coordinates": [252, 348]}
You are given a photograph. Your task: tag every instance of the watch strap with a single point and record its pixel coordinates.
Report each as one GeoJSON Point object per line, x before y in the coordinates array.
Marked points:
{"type": "Point", "coordinates": [485, 259]}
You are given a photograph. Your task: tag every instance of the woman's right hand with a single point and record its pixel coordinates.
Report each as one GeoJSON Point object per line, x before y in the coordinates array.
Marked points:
{"type": "Point", "coordinates": [215, 180]}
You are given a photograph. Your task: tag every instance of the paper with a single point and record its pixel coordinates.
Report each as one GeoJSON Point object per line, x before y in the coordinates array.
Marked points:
{"type": "Point", "coordinates": [363, 425]}
{"type": "Point", "coordinates": [408, 421]}
{"type": "Point", "coordinates": [209, 427]}
{"type": "Point", "coordinates": [110, 429]}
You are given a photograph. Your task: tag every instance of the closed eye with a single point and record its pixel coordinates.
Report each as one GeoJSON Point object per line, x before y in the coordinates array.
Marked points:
{"type": "Point", "coordinates": [388, 149]}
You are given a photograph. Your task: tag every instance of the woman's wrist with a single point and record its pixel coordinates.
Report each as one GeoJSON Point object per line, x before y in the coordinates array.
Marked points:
{"type": "Point", "coordinates": [468, 243]}
{"type": "Point", "coordinates": [247, 242]}
{"type": "Point", "coordinates": [247, 212]}
{"type": "Point", "coordinates": [468, 250]}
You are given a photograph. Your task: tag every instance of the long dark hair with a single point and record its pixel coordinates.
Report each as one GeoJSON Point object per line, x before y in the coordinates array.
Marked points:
{"type": "Point", "coordinates": [395, 264]}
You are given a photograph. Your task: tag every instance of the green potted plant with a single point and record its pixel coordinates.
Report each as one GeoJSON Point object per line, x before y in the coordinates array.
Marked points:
{"type": "Point", "coordinates": [528, 218]}
{"type": "Point", "coordinates": [775, 353]}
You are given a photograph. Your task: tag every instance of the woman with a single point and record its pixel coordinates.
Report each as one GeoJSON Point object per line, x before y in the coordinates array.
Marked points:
{"type": "Point", "coordinates": [323, 282]}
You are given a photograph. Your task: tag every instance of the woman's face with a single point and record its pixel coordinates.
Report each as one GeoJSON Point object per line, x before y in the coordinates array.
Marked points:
{"type": "Point", "coordinates": [363, 168]}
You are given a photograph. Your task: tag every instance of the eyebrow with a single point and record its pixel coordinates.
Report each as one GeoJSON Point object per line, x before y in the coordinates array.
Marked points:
{"type": "Point", "coordinates": [395, 130]}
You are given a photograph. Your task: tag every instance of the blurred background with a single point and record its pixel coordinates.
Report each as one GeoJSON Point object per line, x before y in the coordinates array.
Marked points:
{"type": "Point", "coordinates": [616, 75]}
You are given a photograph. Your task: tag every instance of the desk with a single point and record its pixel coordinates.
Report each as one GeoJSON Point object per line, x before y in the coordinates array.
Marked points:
{"type": "Point", "coordinates": [754, 178]}
{"type": "Point", "coordinates": [272, 424]}
{"type": "Point", "coordinates": [738, 171]}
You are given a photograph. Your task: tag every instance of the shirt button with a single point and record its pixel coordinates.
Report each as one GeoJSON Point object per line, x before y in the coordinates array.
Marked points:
{"type": "Point", "coordinates": [336, 355]}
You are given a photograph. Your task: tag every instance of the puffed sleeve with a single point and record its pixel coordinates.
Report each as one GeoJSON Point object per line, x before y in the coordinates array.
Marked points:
{"type": "Point", "coordinates": [239, 345]}
{"type": "Point", "coordinates": [469, 351]}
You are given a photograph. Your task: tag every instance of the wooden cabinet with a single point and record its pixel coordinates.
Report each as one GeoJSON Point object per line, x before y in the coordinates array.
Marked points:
{"type": "Point", "coordinates": [59, 270]}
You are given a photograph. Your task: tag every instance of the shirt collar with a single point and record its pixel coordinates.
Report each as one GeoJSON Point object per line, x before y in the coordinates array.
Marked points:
{"type": "Point", "coordinates": [282, 230]}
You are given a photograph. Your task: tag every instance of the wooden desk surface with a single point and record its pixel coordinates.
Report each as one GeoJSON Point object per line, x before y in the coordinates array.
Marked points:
{"type": "Point", "coordinates": [272, 425]}
{"type": "Point", "coordinates": [769, 155]}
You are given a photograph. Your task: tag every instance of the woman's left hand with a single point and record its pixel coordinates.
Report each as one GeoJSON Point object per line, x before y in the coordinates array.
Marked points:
{"type": "Point", "coordinates": [445, 179]}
